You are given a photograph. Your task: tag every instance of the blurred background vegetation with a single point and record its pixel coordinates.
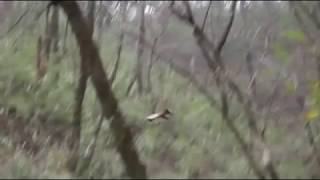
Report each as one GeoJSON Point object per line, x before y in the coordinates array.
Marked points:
{"type": "Point", "coordinates": [195, 142]}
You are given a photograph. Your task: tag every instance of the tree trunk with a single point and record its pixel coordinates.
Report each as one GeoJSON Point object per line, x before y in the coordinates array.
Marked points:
{"type": "Point", "coordinates": [55, 40]}
{"type": "Point", "coordinates": [55, 29]}
{"type": "Point", "coordinates": [123, 7]}
{"type": "Point", "coordinates": [41, 63]}
{"type": "Point", "coordinates": [139, 67]}
{"type": "Point", "coordinates": [65, 36]}
{"type": "Point", "coordinates": [80, 93]}
{"type": "Point", "coordinates": [47, 35]}
{"type": "Point", "coordinates": [149, 69]}
{"type": "Point", "coordinates": [89, 53]}
{"type": "Point", "coordinates": [90, 19]}
{"type": "Point", "coordinates": [92, 146]}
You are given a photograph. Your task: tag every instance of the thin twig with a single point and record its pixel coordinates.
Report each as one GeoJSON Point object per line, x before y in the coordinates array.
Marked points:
{"type": "Point", "coordinates": [226, 32]}
{"type": "Point", "coordinates": [15, 24]}
{"type": "Point", "coordinates": [206, 16]}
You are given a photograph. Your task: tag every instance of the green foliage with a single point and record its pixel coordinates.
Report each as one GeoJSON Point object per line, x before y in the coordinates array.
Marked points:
{"type": "Point", "coordinates": [314, 102]}
{"type": "Point", "coordinates": [280, 52]}
{"type": "Point", "coordinates": [315, 93]}
{"type": "Point", "coordinates": [294, 35]}
{"type": "Point", "coordinates": [194, 137]}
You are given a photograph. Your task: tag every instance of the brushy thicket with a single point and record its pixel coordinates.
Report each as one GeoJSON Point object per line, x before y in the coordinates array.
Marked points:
{"type": "Point", "coordinates": [195, 139]}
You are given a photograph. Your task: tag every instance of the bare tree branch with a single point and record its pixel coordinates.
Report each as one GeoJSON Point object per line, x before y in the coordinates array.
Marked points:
{"type": "Point", "coordinates": [189, 12]}
{"type": "Point", "coordinates": [201, 38]}
{"type": "Point", "coordinates": [226, 32]}
{"type": "Point", "coordinates": [224, 82]}
{"type": "Point", "coordinates": [206, 16]}
{"type": "Point", "coordinates": [165, 58]}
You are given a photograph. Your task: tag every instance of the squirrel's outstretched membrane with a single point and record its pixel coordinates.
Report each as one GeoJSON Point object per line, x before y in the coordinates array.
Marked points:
{"type": "Point", "coordinates": [164, 115]}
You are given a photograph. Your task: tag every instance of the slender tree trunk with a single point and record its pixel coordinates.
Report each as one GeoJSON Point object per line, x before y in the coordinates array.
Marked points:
{"type": "Point", "coordinates": [55, 40]}
{"type": "Point", "coordinates": [41, 63]}
{"type": "Point", "coordinates": [117, 63]}
{"type": "Point", "coordinates": [123, 7]}
{"type": "Point", "coordinates": [80, 93]}
{"type": "Point", "coordinates": [92, 146]}
{"type": "Point", "coordinates": [47, 35]}
{"type": "Point", "coordinates": [55, 29]}
{"type": "Point", "coordinates": [89, 52]}
{"type": "Point", "coordinates": [205, 17]}
{"type": "Point", "coordinates": [139, 67]}
{"type": "Point", "coordinates": [149, 69]}
{"type": "Point", "coordinates": [43, 49]}
{"type": "Point", "coordinates": [65, 36]}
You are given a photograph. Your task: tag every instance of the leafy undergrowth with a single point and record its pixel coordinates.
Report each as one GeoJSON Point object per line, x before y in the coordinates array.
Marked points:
{"type": "Point", "coordinates": [193, 143]}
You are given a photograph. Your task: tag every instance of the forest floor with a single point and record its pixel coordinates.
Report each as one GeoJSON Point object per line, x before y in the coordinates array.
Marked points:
{"type": "Point", "coordinates": [31, 138]}
{"type": "Point", "coordinates": [34, 140]}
